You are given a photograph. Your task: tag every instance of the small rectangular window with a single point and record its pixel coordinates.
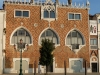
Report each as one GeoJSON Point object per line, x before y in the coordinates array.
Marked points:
{"type": "Point", "coordinates": [52, 14]}
{"type": "Point", "coordinates": [21, 13]}
{"type": "Point", "coordinates": [77, 16]}
{"type": "Point", "coordinates": [71, 16]}
{"type": "Point", "coordinates": [49, 14]}
{"type": "Point", "coordinates": [93, 44]}
{"type": "Point", "coordinates": [74, 16]}
{"type": "Point", "coordinates": [93, 41]}
{"type": "Point", "coordinates": [46, 14]}
{"type": "Point", "coordinates": [99, 21]}
{"type": "Point", "coordinates": [25, 13]}
{"type": "Point", "coordinates": [18, 13]}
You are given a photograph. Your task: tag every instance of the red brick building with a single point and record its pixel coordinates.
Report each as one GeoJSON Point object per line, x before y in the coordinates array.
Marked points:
{"type": "Point", "coordinates": [67, 25]}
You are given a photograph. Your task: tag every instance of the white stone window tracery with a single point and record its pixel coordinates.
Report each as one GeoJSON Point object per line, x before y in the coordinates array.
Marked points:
{"type": "Point", "coordinates": [48, 11]}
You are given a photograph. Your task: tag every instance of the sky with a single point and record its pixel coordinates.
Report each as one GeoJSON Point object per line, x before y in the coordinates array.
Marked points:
{"type": "Point", "coordinates": [94, 5]}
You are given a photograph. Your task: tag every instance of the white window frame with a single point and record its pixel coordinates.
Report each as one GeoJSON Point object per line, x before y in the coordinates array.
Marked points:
{"type": "Point", "coordinates": [74, 16]}
{"type": "Point", "coordinates": [99, 21]}
{"type": "Point", "coordinates": [49, 15]}
{"type": "Point", "coordinates": [93, 45]}
{"type": "Point", "coordinates": [49, 19]}
{"type": "Point", "coordinates": [21, 15]}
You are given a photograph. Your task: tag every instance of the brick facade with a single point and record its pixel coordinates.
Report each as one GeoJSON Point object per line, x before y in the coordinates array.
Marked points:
{"type": "Point", "coordinates": [61, 52]}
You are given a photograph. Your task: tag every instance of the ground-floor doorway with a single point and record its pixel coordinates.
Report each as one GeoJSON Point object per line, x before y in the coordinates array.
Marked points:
{"type": "Point", "coordinates": [50, 68]}
{"type": "Point", "coordinates": [94, 67]}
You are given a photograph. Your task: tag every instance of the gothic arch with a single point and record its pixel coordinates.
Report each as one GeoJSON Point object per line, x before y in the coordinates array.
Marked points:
{"type": "Point", "coordinates": [21, 27]}
{"type": "Point", "coordinates": [74, 40]}
{"type": "Point", "coordinates": [54, 32]}
{"type": "Point", "coordinates": [77, 31]}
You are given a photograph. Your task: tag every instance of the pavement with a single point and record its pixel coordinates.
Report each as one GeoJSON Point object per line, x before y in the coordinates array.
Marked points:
{"type": "Point", "coordinates": [55, 74]}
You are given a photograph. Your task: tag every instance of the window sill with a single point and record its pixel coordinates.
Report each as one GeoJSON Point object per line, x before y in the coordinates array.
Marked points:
{"type": "Point", "coordinates": [75, 50]}
{"type": "Point", "coordinates": [49, 19]}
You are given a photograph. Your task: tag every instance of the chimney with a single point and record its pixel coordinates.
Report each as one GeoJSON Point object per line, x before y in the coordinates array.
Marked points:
{"type": "Point", "coordinates": [69, 2]}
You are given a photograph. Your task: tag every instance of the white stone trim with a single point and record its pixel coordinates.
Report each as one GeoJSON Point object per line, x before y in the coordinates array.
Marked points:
{"type": "Point", "coordinates": [9, 70]}
{"type": "Point", "coordinates": [74, 16]}
{"type": "Point", "coordinates": [31, 70]}
{"type": "Point", "coordinates": [49, 7]}
{"type": "Point", "coordinates": [21, 15]}
{"type": "Point", "coordinates": [93, 57]}
{"type": "Point", "coordinates": [93, 62]}
{"type": "Point", "coordinates": [1, 64]}
{"type": "Point", "coordinates": [14, 59]}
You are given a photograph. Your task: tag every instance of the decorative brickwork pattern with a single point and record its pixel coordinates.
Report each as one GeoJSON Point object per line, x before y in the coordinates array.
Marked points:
{"type": "Point", "coordinates": [61, 52]}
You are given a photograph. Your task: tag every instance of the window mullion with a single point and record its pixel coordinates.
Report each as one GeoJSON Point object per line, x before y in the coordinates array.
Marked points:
{"type": "Point", "coordinates": [74, 16]}
{"type": "Point", "coordinates": [21, 13]}
{"type": "Point", "coordinates": [49, 14]}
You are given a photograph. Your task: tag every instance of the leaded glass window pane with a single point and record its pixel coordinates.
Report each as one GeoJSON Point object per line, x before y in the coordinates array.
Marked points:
{"type": "Point", "coordinates": [43, 35]}
{"type": "Point", "coordinates": [21, 34]}
{"type": "Point", "coordinates": [27, 34]}
{"type": "Point", "coordinates": [71, 16]}
{"type": "Point", "coordinates": [18, 13]}
{"type": "Point", "coordinates": [55, 40]}
{"type": "Point", "coordinates": [93, 41]}
{"type": "Point", "coordinates": [15, 34]}
{"type": "Point", "coordinates": [52, 14]}
{"type": "Point", "coordinates": [77, 16]}
{"type": "Point", "coordinates": [25, 13]}
{"type": "Point", "coordinates": [74, 34]}
{"type": "Point", "coordinates": [28, 40]}
{"type": "Point", "coordinates": [49, 34]}
{"type": "Point", "coordinates": [46, 14]}
{"type": "Point", "coordinates": [80, 41]}
{"type": "Point", "coordinates": [75, 39]}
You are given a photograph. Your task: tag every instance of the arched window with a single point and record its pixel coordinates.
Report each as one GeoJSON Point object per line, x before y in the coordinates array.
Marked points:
{"type": "Point", "coordinates": [21, 34]}
{"type": "Point", "coordinates": [75, 39]}
{"type": "Point", "coordinates": [49, 14]}
{"type": "Point", "coordinates": [46, 14]}
{"type": "Point", "coordinates": [52, 14]}
{"type": "Point", "coordinates": [49, 34]}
